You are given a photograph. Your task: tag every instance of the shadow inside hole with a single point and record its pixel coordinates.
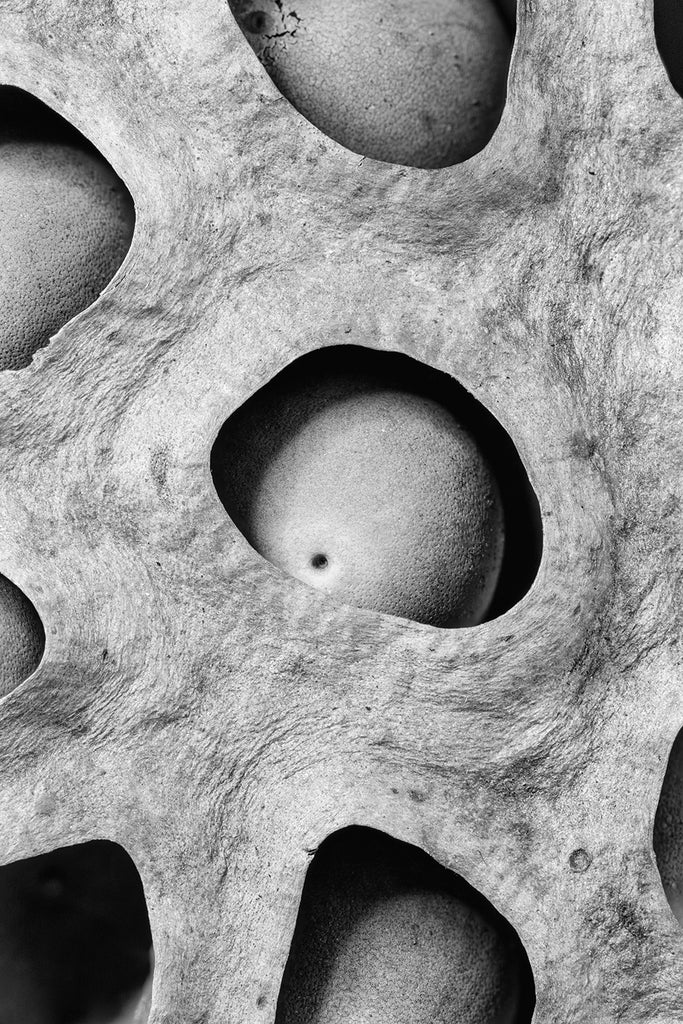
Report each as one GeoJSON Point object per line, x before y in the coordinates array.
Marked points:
{"type": "Point", "coordinates": [66, 224]}
{"type": "Point", "coordinates": [25, 117]}
{"type": "Point", "coordinates": [668, 19]}
{"type": "Point", "coordinates": [75, 940]}
{"type": "Point", "coordinates": [22, 637]}
{"type": "Point", "coordinates": [668, 830]}
{"type": "Point", "coordinates": [255, 488]}
{"type": "Point", "coordinates": [508, 9]}
{"type": "Point", "coordinates": [385, 934]}
{"type": "Point", "coordinates": [421, 85]}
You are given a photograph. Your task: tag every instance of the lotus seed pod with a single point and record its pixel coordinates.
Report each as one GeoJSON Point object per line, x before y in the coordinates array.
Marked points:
{"type": "Point", "coordinates": [22, 638]}
{"type": "Point", "coordinates": [66, 222]}
{"type": "Point", "coordinates": [219, 719]}
{"type": "Point", "coordinates": [366, 491]}
{"type": "Point", "coordinates": [371, 919]}
{"type": "Point", "coordinates": [420, 84]}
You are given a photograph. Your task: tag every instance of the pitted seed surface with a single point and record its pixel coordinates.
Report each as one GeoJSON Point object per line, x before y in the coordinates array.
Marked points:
{"type": "Point", "coordinates": [65, 226]}
{"type": "Point", "coordinates": [420, 84]}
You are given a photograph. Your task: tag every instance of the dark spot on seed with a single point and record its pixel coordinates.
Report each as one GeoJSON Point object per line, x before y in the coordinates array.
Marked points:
{"type": "Point", "coordinates": [255, 22]}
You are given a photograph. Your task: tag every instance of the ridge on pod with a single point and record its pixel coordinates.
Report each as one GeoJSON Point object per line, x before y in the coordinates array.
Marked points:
{"type": "Point", "coordinates": [420, 84]}
{"type": "Point", "coordinates": [66, 223]}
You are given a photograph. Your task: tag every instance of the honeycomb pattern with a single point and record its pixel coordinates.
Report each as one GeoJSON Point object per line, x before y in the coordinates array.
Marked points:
{"type": "Point", "coordinates": [215, 719]}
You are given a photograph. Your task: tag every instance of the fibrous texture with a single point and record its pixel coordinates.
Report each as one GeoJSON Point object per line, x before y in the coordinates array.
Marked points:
{"type": "Point", "coordinates": [215, 717]}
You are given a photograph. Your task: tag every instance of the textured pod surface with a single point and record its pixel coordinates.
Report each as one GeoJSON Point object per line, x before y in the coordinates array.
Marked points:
{"type": "Point", "coordinates": [22, 637]}
{"type": "Point", "coordinates": [66, 222]}
{"type": "Point", "coordinates": [366, 489]}
{"type": "Point", "coordinates": [214, 716]}
{"type": "Point", "coordinates": [420, 84]}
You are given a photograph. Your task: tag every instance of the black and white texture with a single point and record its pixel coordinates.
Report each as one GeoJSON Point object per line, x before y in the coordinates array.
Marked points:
{"type": "Point", "coordinates": [220, 719]}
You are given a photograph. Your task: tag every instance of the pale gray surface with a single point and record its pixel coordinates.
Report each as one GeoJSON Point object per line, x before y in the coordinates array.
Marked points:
{"type": "Point", "coordinates": [218, 719]}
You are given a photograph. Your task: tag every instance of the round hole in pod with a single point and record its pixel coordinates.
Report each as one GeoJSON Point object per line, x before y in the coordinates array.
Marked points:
{"type": "Point", "coordinates": [668, 21]}
{"type": "Point", "coordinates": [668, 830]}
{"type": "Point", "coordinates": [417, 84]}
{"type": "Point", "coordinates": [22, 637]}
{"type": "Point", "coordinates": [385, 934]}
{"type": "Point", "coordinates": [383, 483]}
{"type": "Point", "coordinates": [66, 223]}
{"type": "Point", "coordinates": [75, 941]}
